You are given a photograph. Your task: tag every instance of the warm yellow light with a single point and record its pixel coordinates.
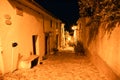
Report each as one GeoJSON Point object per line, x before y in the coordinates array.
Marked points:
{"type": "Point", "coordinates": [74, 27]}
{"type": "Point", "coordinates": [69, 38]}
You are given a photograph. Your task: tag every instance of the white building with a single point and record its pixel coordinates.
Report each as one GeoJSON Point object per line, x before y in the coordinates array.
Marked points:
{"type": "Point", "coordinates": [25, 29]}
{"type": "Point", "coordinates": [62, 36]}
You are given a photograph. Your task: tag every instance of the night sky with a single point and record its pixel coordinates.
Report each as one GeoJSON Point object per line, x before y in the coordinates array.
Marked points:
{"type": "Point", "coordinates": [65, 10]}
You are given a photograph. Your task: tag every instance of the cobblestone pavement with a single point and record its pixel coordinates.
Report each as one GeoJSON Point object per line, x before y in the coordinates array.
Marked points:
{"type": "Point", "coordinates": [62, 66]}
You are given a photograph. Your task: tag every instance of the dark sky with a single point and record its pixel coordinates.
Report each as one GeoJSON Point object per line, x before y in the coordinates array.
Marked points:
{"type": "Point", "coordinates": [65, 10]}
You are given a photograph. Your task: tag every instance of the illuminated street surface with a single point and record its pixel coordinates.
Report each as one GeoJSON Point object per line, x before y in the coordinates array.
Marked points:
{"type": "Point", "coordinates": [62, 66]}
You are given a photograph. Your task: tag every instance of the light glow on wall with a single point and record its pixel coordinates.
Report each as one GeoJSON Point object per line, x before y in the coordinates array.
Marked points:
{"type": "Point", "coordinates": [74, 34]}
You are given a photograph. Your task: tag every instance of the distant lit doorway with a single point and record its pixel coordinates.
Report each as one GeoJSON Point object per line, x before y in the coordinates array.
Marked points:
{"type": "Point", "coordinates": [35, 41]}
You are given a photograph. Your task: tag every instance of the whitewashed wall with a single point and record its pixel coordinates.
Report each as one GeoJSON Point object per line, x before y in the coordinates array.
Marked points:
{"type": "Point", "coordinates": [104, 50]}
{"type": "Point", "coordinates": [20, 31]}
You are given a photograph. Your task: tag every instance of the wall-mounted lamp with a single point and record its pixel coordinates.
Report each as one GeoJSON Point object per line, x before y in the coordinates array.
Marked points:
{"type": "Point", "coordinates": [14, 44]}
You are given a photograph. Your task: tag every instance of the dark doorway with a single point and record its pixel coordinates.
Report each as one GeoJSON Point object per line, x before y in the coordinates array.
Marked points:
{"type": "Point", "coordinates": [56, 41]}
{"type": "Point", "coordinates": [34, 62]}
{"type": "Point", "coordinates": [46, 44]}
{"type": "Point", "coordinates": [34, 39]}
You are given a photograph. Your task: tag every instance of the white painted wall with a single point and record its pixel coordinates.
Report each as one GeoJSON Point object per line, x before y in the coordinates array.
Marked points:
{"type": "Point", "coordinates": [108, 50]}
{"type": "Point", "coordinates": [105, 50]}
{"type": "Point", "coordinates": [62, 36]}
{"type": "Point", "coordinates": [1, 58]}
{"type": "Point", "coordinates": [33, 22]}
{"type": "Point", "coordinates": [20, 31]}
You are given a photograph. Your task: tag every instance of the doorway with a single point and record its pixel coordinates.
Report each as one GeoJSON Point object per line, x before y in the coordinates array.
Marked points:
{"type": "Point", "coordinates": [47, 43]}
{"type": "Point", "coordinates": [35, 41]}
{"type": "Point", "coordinates": [56, 41]}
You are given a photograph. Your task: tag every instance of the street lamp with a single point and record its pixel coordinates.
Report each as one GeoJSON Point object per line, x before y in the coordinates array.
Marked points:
{"type": "Point", "coordinates": [75, 33]}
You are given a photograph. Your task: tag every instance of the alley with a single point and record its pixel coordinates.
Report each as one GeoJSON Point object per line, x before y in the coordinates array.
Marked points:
{"type": "Point", "coordinates": [62, 66]}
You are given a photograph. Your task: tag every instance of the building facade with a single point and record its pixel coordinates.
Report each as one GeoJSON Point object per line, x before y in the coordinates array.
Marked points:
{"type": "Point", "coordinates": [25, 29]}
{"type": "Point", "coordinates": [62, 36]}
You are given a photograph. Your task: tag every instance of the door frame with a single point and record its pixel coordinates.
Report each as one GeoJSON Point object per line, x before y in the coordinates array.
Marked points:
{"type": "Point", "coordinates": [35, 42]}
{"type": "Point", "coordinates": [47, 43]}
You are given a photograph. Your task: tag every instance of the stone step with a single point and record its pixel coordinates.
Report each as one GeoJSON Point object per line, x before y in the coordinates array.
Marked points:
{"type": "Point", "coordinates": [29, 62]}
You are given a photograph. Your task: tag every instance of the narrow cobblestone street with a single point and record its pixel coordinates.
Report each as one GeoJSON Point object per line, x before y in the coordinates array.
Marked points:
{"type": "Point", "coordinates": [62, 66]}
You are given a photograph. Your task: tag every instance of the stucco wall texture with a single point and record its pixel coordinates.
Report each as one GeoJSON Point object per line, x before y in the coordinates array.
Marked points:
{"type": "Point", "coordinates": [20, 31]}
{"type": "Point", "coordinates": [104, 49]}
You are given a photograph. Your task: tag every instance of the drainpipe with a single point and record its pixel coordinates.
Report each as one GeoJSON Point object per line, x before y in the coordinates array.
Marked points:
{"type": "Point", "coordinates": [12, 61]}
{"type": "Point", "coordinates": [1, 58]}
{"type": "Point", "coordinates": [14, 44]}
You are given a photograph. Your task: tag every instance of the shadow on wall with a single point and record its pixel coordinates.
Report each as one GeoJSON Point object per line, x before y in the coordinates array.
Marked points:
{"type": "Point", "coordinates": [94, 26]}
{"type": "Point", "coordinates": [93, 30]}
